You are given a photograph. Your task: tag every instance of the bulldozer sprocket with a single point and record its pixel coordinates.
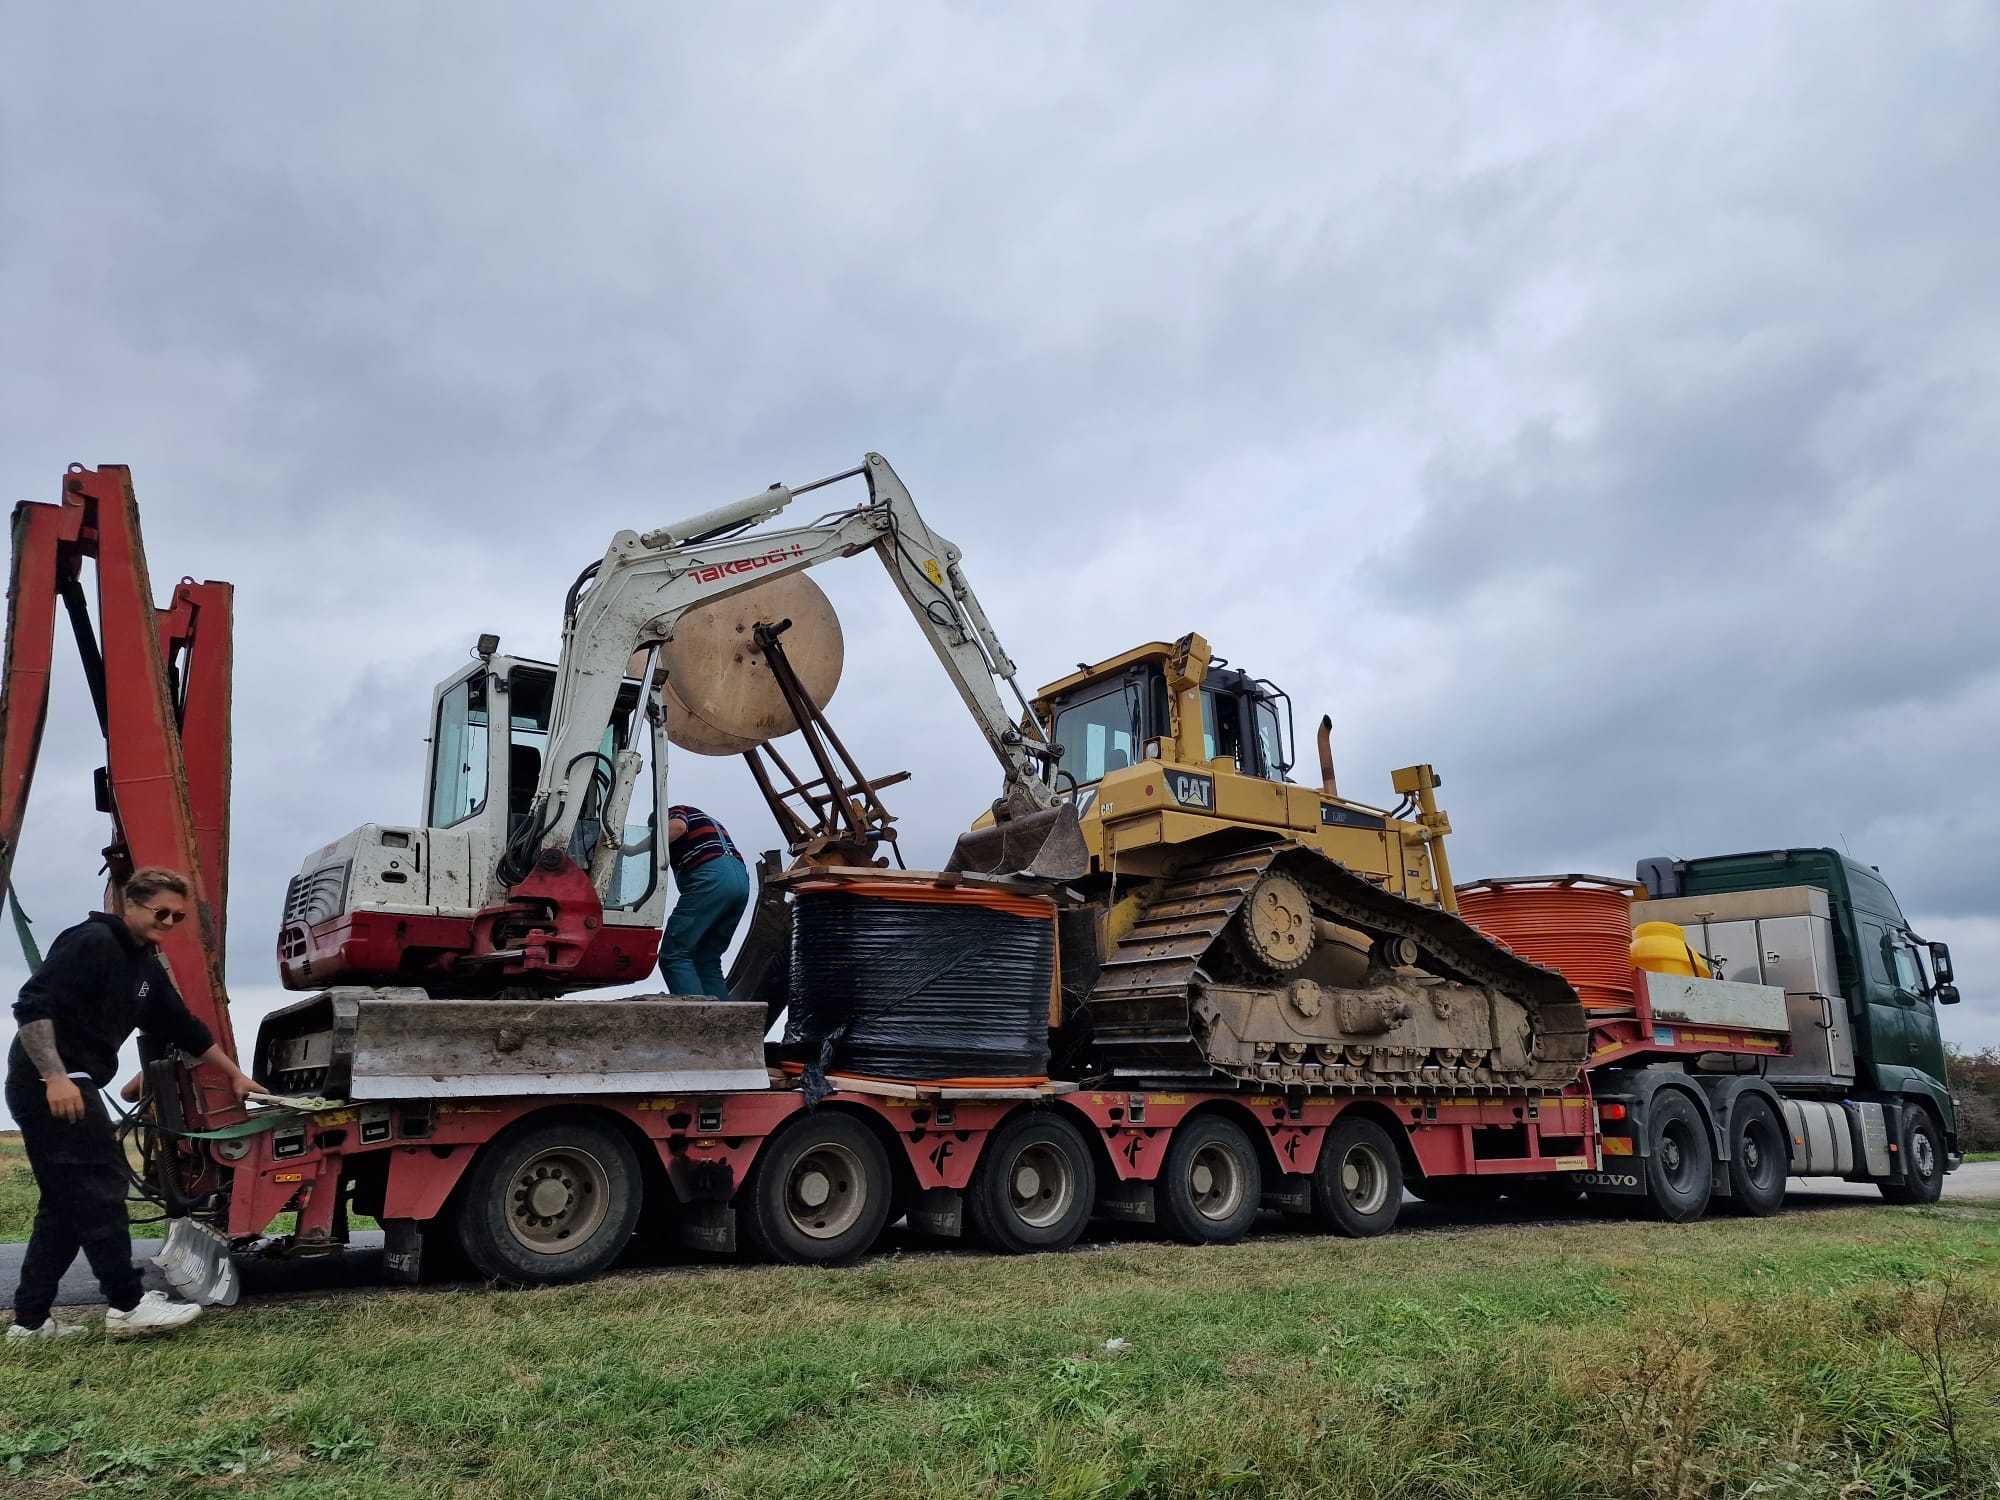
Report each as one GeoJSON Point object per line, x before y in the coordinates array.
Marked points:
{"type": "Point", "coordinates": [1142, 1005]}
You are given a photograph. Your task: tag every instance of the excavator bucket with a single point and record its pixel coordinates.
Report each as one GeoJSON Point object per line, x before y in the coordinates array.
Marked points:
{"type": "Point", "coordinates": [1046, 844]}
{"type": "Point", "coordinates": [195, 1264]}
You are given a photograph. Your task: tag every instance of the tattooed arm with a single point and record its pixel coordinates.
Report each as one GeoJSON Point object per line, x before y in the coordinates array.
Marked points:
{"type": "Point", "coordinates": [38, 1040]}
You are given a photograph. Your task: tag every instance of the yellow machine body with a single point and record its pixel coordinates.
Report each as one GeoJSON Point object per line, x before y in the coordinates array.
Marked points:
{"type": "Point", "coordinates": [1140, 819]}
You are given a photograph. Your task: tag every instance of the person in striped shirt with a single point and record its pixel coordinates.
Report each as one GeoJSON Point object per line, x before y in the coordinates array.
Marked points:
{"type": "Point", "coordinates": [714, 887]}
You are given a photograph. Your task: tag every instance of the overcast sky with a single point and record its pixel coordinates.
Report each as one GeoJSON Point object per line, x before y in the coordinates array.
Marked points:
{"type": "Point", "coordinates": [1601, 404]}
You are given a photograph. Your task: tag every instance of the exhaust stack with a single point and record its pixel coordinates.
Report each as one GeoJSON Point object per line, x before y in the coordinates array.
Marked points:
{"type": "Point", "coordinates": [1326, 755]}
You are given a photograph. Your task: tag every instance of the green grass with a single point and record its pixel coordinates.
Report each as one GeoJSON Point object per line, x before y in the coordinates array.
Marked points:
{"type": "Point", "coordinates": [1982, 1156]}
{"type": "Point", "coordinates": [1607, 1359]}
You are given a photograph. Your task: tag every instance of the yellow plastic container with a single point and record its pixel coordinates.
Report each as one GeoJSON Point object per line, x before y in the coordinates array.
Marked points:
{"type": "Point", "coordinates": [1663, 948]}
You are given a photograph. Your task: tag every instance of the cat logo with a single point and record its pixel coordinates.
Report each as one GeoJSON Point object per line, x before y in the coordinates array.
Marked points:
{"type": "Point", "coordinates": [1190, 790]}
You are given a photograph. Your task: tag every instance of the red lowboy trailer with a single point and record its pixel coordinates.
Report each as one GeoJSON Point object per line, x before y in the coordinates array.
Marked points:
{"type": "Point", "coordinates": [552, 1186]}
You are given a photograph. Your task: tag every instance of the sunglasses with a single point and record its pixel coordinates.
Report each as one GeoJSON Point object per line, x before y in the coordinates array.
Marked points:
{"type": "Point", "coordinates": [166, 916]}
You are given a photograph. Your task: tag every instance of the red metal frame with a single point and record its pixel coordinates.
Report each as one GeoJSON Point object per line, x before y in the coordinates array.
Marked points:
{"type": "Point", "coordinates": [942, 1143]}
{"type": "Point", "coordinates": [1619, 1037]}
{"type": "Point", "coordinates": [167, 762]}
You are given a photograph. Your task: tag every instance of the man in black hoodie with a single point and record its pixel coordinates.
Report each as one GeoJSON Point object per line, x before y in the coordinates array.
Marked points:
{"type": "Point", "coordinates": [101, 981]}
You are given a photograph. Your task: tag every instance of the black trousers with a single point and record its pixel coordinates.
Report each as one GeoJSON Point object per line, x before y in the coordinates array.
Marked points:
{"type": "Point", "coordinates": [81, 1173]}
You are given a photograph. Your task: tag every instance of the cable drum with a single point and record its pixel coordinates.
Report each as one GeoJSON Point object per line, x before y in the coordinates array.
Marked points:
{"type": "Point", "coordinates": [1578, 925]}
{"type": "Point", "coordinates": [920, 982]}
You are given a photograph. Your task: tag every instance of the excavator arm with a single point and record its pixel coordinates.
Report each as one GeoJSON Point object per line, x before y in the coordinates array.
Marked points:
{"type": "Point", "coordinates": [631, 601]}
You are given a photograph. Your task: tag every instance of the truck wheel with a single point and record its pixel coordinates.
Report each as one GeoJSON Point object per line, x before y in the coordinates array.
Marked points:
{"type": "Point", "coordinates": [554, 1202]}
{"type": "Point", "coordinates": [1758, 1158]}
{"type": "Point", "coordinates": [1923, 1162]}
{"type": "Point", "coordinates": [1212, 1183]}
{"type": "Point", "coordinates": [1035, 1186]}
{"type": "Point", "coordinates": [819, 1194]}
{"type": "Point", "coordinates": [1680, 1169]}
{"type": "Point", "coordinates": [1357, 1188]}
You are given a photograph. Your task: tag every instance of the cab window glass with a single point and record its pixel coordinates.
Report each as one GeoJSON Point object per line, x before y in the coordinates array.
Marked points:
{"type": "Point", "coordinates": [458, 784]}
{"type": "Point", "coordinates": [1221, 728]}
{"type": "Point", "coordinates": [1908, 975]}
{"type": "Point", "coordinates": [1270, 742]}
{"type": "Point", "coordinates": [1099, 734]}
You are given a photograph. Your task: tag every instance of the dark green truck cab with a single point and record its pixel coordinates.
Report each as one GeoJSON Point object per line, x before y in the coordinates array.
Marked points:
{"type": "Point", "coordinates": [1891, 980]}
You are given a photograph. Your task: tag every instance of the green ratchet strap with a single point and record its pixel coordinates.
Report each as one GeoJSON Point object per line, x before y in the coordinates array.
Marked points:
{"type": "Point", "coordinates": [263, 1120]}
{"type": "Point", "coordinates": [29, 951]}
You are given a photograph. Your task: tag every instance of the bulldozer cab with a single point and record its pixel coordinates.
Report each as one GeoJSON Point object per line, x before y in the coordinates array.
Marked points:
{"type": "Point", "coordinates": [1170, 752]}
{"type": "Point", "coordinates": [1111, 716]}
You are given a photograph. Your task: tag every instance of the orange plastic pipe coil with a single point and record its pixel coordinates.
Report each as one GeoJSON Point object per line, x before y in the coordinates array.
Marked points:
{"type": "Point", "coordinates": [1581, 928]}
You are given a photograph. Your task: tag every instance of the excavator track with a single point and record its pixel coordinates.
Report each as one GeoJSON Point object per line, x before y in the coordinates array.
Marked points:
{"type": "Point", "coordinates": [1143, 1013]}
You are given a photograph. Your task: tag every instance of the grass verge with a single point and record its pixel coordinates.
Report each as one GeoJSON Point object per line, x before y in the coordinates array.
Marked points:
{"type": "Point", "coordinates": [1777, 1358]}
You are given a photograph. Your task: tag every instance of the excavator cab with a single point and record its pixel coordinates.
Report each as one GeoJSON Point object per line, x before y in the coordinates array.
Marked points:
{"type": "Point", "coordinates": [398, 903]}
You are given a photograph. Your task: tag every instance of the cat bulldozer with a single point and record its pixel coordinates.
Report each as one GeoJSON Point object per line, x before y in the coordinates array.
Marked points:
{"type": "Point", "coordinates": [1239, 926]}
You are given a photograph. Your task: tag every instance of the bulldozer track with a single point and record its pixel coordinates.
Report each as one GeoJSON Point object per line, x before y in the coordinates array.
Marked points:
{"type": "Point", "coordinates": [1141, 1006]}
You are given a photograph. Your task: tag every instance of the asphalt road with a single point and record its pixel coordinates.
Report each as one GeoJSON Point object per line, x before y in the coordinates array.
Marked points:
{"type": "Point", "coordinates": [361, 1265]}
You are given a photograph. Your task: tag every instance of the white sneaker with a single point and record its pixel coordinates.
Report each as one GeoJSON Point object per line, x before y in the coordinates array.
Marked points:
{"type": "Point", "coordinates": [50, 1329]}
{"type": "Point", "coordinates": [156, 1313]}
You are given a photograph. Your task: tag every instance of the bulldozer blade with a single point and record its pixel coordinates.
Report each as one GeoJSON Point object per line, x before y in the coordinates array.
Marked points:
{"type": "Point", "coordinates": [402, 1044]}
{"type": "Point", "coordinates": [1046, 844]}
{"type": "Point", "coordinates": [196, 1265]}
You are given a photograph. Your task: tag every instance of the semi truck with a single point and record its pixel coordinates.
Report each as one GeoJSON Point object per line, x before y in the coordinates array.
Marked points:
{"type": "Point", "coordinates": [444, 1080]}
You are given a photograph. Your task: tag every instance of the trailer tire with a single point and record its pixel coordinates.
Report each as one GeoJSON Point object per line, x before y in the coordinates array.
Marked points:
{"type": "Point", "coordinates": [1211, 1184]}
{"type": "Point", "coordinates": [819, 1194]}
{"type": "Point", "coordinates": [1923, 1162]}
{"type": "Point", "coordinates": [553, 1202]}
{"type": "Point", "coordinates": [1357, 1187]}
{"type": "Point", "coordinates": [1680, 1161]}
{"type": "Point", "coordinates": [1035, 1186]}
{"type": "Point", "coordinates": [1759, 1159]}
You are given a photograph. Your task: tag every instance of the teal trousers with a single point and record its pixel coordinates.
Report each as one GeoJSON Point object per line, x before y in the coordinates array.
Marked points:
{"type": "Point", "coordinates": [702, 923]}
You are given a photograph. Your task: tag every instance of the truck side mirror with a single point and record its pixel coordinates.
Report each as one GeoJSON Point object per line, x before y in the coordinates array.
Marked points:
{"type": "Point", "coordinates": [1941, 964]}
{"type": "Point", "coordinates": [1947, 994]}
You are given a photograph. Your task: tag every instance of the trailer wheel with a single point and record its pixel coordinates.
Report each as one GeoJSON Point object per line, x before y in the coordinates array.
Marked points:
{"type": "Point", "coordinates": [1212, 1183]}
{"type": "Point", "coordinates": [1035, 1186]}
{"type": "Point", "coordinates": [555, 1202]}
{"type": "Point", "coordinates": [1357, 1188]}
{"type": "Point", "coordinates": [1680, 1167]}
{"type": "Point", "coordinates": [819, 1194]}
{"type": "Point", "coordinates": [1758, 1158]}
{"type": "Point", "coordinates": [1923, 1162]}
